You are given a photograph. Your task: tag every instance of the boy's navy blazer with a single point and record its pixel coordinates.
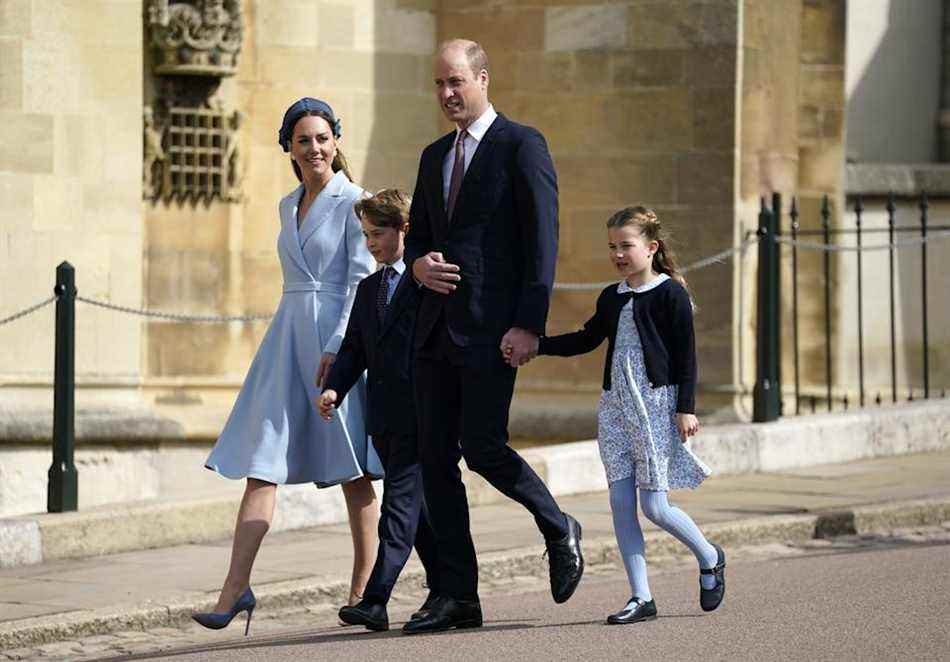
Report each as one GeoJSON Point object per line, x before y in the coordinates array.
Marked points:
{"type": "Point", "coordinates": [385, 350]}
{"type": "Point", "coordinates": [503, 235]}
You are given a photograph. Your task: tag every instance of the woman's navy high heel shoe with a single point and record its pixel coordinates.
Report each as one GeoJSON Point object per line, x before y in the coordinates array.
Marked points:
{"type": "Point", "coordinates": [217, 620]}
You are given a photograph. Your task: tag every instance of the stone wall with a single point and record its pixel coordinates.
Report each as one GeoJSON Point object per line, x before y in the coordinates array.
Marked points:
{"type": "Point", "coordinates": [70, 180]}
{"type": "Point", "coordinates": [894, 54]}
{"type": "Point", "coordinates": [695, 107]}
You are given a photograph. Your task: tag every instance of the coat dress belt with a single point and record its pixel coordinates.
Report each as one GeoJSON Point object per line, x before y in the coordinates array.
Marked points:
{"type": "Point", "coordinates": [316, 286]}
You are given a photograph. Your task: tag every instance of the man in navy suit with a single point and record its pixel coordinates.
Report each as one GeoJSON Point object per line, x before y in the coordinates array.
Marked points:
{"type": "Point", "coordinates": [379, 339]}
{"type": "Point", "coordinates": [482, 245]}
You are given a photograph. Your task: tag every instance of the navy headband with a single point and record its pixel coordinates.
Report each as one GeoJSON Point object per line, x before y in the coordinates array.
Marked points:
{"type": "Point", "coordinates": [299, 109]}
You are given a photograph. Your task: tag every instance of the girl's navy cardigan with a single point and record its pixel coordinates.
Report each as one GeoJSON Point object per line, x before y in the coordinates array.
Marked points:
{"type": "Point", "coordinates": [664, 319]}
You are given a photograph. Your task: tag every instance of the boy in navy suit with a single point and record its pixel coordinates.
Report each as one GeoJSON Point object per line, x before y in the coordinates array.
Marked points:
{"type": "Point", "coordinates": [379, 339]}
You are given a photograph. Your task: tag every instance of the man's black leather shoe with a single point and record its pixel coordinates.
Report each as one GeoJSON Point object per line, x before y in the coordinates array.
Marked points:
{"type": "Point", "coordinates": [446, 613]}
{"type": "Point", "coordinates": [372, 615]}
{"type": "Point", "coordinates": [636, 610]}
{"type": "Point", "coordinates": [566, 562]}
{"type": "Point", "coordinates": [711, 598]}
{"type": "Point", "coordinates": [426, 606]}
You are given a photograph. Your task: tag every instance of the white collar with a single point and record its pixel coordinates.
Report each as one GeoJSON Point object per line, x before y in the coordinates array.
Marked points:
{"type": "Point", "coordinates": [624, 286]}
{"type": "Point", "coordinates": [479, 127]}
{"type": "Point", "coordinates": [399, 266]}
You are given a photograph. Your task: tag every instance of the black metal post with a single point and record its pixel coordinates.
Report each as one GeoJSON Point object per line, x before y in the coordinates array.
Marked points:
{"type": "Point", "coordinates": [858, 209]}
{"type": "Point", "coordinates": [794, 214]}
{"type": "Point", "coordinates": [891, 208]}
{"type": "Point", "coordinates": [923, 289]}
{"type": "Point", "coordinates": [62, 494]}
{"type": "Point", "coordinates": [777, 227]}
{"type": "Point", "coordinates": [766, 396]}
{"type": "Point", "coordinates": [826, 233]}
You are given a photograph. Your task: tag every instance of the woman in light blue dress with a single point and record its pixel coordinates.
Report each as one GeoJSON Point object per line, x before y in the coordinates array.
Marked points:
{"type": "Point", "coordinates": [274, 434]}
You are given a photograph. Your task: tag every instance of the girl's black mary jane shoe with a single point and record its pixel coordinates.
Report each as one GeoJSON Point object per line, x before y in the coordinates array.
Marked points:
{"type": "Point", "coordinates": [636, 610]}
{"type": "Point", "coordinates": [711, 598]}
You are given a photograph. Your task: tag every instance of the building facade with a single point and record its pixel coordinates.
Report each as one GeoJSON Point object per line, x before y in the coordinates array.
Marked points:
{"type": "Point", "coordinates": [150, 162]}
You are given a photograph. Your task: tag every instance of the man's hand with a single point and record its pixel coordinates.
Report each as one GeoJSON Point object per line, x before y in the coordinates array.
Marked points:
{"type": "Point", "coordinates": [688, 425]}
{"type": "Point", "coordinates": [325, 362]}
{"type": "Point", "coordinates": [435, 273]}
{"type": "Point", "coordinates": [326, 403]}
{"type": "Point", "coordinates": [519, 346]}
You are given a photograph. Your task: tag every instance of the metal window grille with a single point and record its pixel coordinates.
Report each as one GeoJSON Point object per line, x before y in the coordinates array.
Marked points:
{"type": "Point", "coordinates": [196, 143]}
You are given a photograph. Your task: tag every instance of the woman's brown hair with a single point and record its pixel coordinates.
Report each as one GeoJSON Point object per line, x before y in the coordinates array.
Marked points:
{"type": "Point", "coordinates": [339, 161]}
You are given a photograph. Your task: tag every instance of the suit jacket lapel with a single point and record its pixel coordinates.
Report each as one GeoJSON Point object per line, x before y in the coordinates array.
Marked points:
{"type": "Point", "coordinates": [485, 146]}
{"type": "Point", "coordinates": [323, 207]}
{"type": "Point", "coordinates": [375, 324]}
{"type": "Point", "coordinates": [289, 235]}
{"type": "Point", "coordinates": [395, 304]}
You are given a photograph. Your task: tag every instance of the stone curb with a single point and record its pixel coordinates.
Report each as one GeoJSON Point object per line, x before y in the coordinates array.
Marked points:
{"type": "Point", "coordinates": [500, 565]}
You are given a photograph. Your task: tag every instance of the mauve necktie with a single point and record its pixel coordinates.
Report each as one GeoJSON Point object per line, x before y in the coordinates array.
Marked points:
{"type": "Point", "coordinates": [458, 171]}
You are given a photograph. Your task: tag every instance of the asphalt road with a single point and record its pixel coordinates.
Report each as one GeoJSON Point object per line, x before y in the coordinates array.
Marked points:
{"type": "Point", "coordinates": [883, 598]}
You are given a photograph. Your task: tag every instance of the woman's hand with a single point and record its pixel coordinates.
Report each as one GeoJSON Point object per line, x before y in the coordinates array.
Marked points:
{"type": "Point", "coordinates": [325, 362]}
{"type": "Point", "coordinates": [688, 425]}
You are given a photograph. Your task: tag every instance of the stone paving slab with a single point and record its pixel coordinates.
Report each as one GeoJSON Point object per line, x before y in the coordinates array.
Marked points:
{"type": "Point", "coordinates": [153, 588]}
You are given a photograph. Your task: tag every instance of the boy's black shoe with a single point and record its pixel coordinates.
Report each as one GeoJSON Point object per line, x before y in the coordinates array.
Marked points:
{"type": "Point", "coordinates": [372, 615]}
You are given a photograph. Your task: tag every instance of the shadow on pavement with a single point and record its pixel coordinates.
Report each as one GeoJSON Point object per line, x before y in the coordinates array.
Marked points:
{"type": "Point", "coordinates": [333, 635]}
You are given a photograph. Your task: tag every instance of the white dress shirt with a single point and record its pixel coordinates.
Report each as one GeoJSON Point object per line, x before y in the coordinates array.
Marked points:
{"type": "Point", "coordinates": [476, 131]}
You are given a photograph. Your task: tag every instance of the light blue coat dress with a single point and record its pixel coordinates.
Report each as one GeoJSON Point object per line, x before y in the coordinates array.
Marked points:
{"type": "Point", "coordinates": [274, 432]}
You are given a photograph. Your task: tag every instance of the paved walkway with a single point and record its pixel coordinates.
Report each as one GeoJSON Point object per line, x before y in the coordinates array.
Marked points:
{"type": "Point", "coordinates": [324, 552]}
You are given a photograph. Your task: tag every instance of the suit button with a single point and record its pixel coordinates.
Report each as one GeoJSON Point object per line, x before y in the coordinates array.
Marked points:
{"type": "Point", "coordinates": [379, 381]}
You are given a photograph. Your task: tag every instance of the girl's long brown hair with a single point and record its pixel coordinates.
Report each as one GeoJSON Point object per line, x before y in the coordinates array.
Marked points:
{"type": "Point", "coordinates": [647, 222]}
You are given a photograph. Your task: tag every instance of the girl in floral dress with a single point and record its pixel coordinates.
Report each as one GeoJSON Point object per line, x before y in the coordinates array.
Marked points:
{"type": "Point", "coordinates": [647, 409]}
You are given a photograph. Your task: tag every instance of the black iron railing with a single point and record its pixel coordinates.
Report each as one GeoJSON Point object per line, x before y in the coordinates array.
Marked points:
{"type": "Point", "coordinates": [767, 394]}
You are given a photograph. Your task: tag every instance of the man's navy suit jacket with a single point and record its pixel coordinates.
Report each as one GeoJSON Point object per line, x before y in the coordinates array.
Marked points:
{"type": "Point", "coordinates": [503, 235]}
{"type": "Point", "coordinates": [385, 350]}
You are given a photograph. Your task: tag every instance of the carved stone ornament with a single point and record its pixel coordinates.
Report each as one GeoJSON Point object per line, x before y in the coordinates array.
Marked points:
{"type": "Point", "coordinates": [195, 37]}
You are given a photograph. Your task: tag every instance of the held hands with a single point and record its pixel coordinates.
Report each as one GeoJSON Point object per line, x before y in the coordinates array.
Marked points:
{"type": "Point", "coordinates": [519, 346]}
{"type": "Point", "coordinates": [326, 403]}
{"type": "Point", "coordinates": [688, 425]}
{"type": "Point", "coordinates": [325, 362]}
{"type": "Point", "coordinates": [435, 273]}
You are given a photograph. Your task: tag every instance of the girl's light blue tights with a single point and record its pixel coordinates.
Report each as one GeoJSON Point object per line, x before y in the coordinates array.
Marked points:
{"type": "Point", "coordinates": [657, 509]}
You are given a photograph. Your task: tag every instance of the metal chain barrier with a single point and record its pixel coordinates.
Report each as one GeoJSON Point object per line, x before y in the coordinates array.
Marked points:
{"type": "Point", "coordinates": [222, 319]}
{"type": "Point", "coordinates": [695, 266]}
{"type": "Point", "coordinates": [208, 319]}
{"type": "Point", "coordinates": [900, 243]}
{"type": "Point", "coordinates": [27, 311]}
